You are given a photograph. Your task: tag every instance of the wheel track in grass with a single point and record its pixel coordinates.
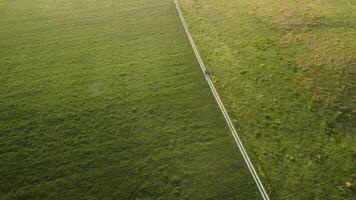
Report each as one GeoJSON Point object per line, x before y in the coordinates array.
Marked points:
{"type": "Point", "coordinates": [222, 107]}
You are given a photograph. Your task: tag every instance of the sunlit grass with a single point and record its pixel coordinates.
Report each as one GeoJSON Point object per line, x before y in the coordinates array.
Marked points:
{"type": "Point", "coordinates": [286, 72]}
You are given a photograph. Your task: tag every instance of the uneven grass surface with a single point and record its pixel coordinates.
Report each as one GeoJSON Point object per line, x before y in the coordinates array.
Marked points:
{"type": "Point", "coordinates": [286, 70]}
{"type": "Point", "coordinates": [104, 100]}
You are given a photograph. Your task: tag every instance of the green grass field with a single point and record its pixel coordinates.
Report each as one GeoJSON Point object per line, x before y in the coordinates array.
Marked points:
{"type": "Point", "coordinates": [286, 71]}
{"type": "Point", "coordinates": [104, 100]}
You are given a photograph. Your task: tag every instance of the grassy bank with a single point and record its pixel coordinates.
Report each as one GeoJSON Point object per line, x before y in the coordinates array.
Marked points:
{"type": "Point", "coordinates": [286, 71]}
{"type": "Point", "coordinates": [104, 100]}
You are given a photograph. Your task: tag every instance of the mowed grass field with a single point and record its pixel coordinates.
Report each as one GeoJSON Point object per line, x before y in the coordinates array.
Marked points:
{"type": "Point", "coordinates": [104, 100]}
{"type": "Point", "coordinates": [286, 71]}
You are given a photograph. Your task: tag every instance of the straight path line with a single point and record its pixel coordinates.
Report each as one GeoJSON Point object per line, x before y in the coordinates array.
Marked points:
{"type": "Point", "coordinates": [222, 108]}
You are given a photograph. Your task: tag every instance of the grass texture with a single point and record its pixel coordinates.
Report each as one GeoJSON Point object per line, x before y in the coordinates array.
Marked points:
{"type": "Point", "coordinates": [105, 100]}
{"type": "Point", "coordinates": [286, 71]}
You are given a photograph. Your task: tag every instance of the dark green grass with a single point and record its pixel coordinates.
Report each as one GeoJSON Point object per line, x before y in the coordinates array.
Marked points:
{"type": "Point", "coordinates": [286, 72]}
{"type": "Point", "coordinates": [104, 100]}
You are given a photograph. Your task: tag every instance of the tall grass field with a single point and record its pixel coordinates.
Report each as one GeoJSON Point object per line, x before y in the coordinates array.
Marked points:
{"type": "Point", "coordinates": [105, 100]}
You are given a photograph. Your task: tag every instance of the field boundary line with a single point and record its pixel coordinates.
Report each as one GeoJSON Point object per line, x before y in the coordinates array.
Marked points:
{"type": "Point", "coordinates": [222, 107]}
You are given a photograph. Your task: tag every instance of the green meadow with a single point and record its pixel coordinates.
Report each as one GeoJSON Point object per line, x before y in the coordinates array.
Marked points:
{"type": "Point", "coordinates": [105, 100]}
{"type": "Point", "coordinates": [286, 71]}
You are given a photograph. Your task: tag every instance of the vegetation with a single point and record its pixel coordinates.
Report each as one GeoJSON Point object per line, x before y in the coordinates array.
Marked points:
{"type": "Point", "coordinates": [286, 72]}
{"type": "Point", "coordinates": [104, 100]}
